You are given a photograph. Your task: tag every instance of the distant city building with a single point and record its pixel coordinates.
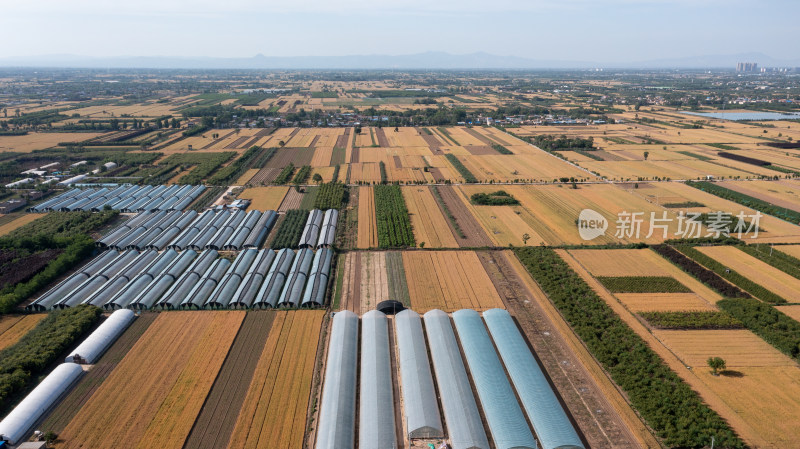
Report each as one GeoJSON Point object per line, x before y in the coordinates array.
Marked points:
{"type": "Point", "coordinates": [747, 67]}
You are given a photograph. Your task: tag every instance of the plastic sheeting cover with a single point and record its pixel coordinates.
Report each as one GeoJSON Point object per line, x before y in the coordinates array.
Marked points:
{"type": "Point", "coordinates": [337, 414]}
{"type": "Point", "coordinates": [419, 396]}
{"type": "Point", "coordinates": [504, 416]}
{"type": "Point", "coordinates": [461, 414]}
{"type": "Point", "coordinates": [107, 333]}
{"type": "Point", "coordinates": [28, 412]}
{"type": "Point", "coordinates": [550, 422]}
{"type": "Point", "coordinates": [376, 405]}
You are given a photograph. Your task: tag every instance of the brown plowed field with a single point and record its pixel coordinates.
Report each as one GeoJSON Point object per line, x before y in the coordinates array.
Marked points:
{"type": "Point", "coordinates": [437, 174]}
{"type": "Point", "coordinates": [314, 141]}
{"type": "Point", "coordinates": [601, 413]}
{"type": "Point", "coordinates": [480, 150]}
{"type": "Point", "coordinates": [341, 141]}
{"type": "Point", "coordinates": [217, 418]}
{"type": "Point", "coordinates": [476, 236]}
{"type": "Point", "coordinates": [297, 156]}
{"type": "Point", "coordinates": [382, 140]}
{"type": "Point", "coordinates": [277, 402]}
{"type": "Point", "coordinates": [351, 290]}
{"type": "Point", "coordinates": [265, 176]}
{"type": "Point", "coordinates": [257, 137]}
{"type": "Point", "coordinates": [216, 141]}
{"type": "Point", "coordinates": [292, 200]}
{"type": "Point", "coordinates": [237, 143]}
{"type": "Point", "coordinates": [354, 155]}
{"type": "Point", "coordinates": [69, 406]}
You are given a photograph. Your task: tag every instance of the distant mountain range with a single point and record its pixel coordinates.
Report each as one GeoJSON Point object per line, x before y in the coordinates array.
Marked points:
{"type": "Point", "coordinates": [427, 60]}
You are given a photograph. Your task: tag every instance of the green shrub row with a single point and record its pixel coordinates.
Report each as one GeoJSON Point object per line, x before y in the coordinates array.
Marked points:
{"type": "Point", "coordinates": [707, 319]}
{"type": "Point", "coordinates": [498, 198]}
{"type": "Point", "coordinates": [463, 170]}
{"type": "Point", "coordinates": [663, 399]}
{"type": "Point", "coordinates": [732, 276]}
{"type": "Point", "coordinates": [302, 175]}
{"type": "Point", "coordinates": [331, 195]}
{"type": "Point", "coordinates": [23, 362]}
{"type": "Point", "coordinates": [746, 200]}
{"type": "Point", "coordinates": [288, 235]}
{"type": "Point", "coordinates": [643, 284]}
{"type": "Point", "coordinates": [769, 323]}
{"type": "Point", "coordinates": [285, 175]}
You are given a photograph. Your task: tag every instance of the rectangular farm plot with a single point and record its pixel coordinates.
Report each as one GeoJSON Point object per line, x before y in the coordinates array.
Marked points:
{"type": "Point", "coordinates": [430, 225]}
{"type": "Point", "coordinates": [760, 384]}
{"type": "Point", "coordinates": [264, 198]}
{"type": "Point", "coordinates": [19, 222]}
{"type": "Point", "coordinates": [276, 406]}
{"type": "Point", "coordinates": [367, 225]}
{"type": "Point", "coordinates": [769, 277]}
{"type": "Point", "coordinates": [646, 263]}
{"type": "Point", "coordinates": [448, 280]}
{"type": "Point", "coordinates": [154, 395]}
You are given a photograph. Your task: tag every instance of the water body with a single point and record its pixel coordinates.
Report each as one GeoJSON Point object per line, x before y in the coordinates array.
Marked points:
{"type": "Point", "coordinates": [747, 115]}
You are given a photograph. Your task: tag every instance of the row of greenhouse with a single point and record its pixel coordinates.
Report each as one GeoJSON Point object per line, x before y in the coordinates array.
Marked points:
{"type": "Point", "coordinates": [510, 388]}
{"type": "Point", "coordinates": [124, 198]}
{"type": "Point", "coordinates": [190, 279]}
{"type": "Point", "coordinates": [21, 420]}
{"type": "Point", "coordinates": [222, 230]}
{"type": "Point", "coordinates": [320, 229]}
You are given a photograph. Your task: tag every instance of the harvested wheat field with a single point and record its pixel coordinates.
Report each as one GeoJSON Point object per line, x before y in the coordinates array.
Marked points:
{"type": "Point", "coordinates": [264, 198]}
{"type": "Point", "coordinates": [430, 225]}
{"type": "Point", "coordinates": [792, 311]}
{"type": "Point", "coordinates": [12, 328]}
{"type": "Point", "coordinates": [448, 280]}
{"type": "Point", "coordinates": [40, 141]}
{"type": "Point", "coordinates": [792, 250]}
{"type": "Point", "coordinates": [154, 395]}
{"type": "Point", "coordinates": [277, 403]}
{"type": "Point", "coordinates": [664, 302]}
{"type": "Point", "coordinates": [19, 222]}
{"type": "Point", "coordinates": [760, 384]}
{"type": "Point", "coordinates": [367, 226]}
{"type": "Point", "coordinates": [769, 277]}
{"type": "Point", "coordinates": [374, 283]}
{"type": "Point", "coordinates": [645, 262]}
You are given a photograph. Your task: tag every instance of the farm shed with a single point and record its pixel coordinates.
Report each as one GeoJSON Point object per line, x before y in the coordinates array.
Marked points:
{"type": "Point", "coordinates": [248, 289]}
{"type": "Point", "coordinates": [419, 396]}
{"type": "Point", "coordinates": [337, 413]}
{"type": "Point", "coordinates": [550, 421]}
{"type": "Point", "coordinates": [141, 280]}
{"type": "Point", "coordinates": [177, 292]}
{"type": "Point", "coordinates": [318, 278]}
{"type": "Point", "coordinates": [270, 291]}
{"type": "Point", "coordinates": [296, 279]}
{"type": "Point", "coordinates": [504, 416]}
{"type": "Point", "coordinates": [165, 238]}
{"type": "Point", "coordinates": [376, 405]}
{"type": "Point", "coordinates": [186, 236]}
{"type": "Point", "coordinates": [90, 350]}
{"type": "Point", "coordinates": [464, 426]}
{"type": "Point", "coordinates": [27, 413]}
{"type": "Point", "coordinates": [225, 232]}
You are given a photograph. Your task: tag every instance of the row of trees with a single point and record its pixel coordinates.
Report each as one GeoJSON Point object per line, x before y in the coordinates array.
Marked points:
{"type": "Point", "coordinates": [663, 399]}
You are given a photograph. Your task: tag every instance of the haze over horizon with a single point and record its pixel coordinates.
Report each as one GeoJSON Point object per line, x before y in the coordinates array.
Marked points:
{"type": "Point", "coordinates": [609, 32]}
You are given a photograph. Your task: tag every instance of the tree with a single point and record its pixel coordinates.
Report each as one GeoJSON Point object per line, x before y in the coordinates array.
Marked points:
{"type": "Point", "coordinates": [646, 153]}
{"type": "Point", "coordinates": [317, 178]}
{"type": "Point", "coordinates": [525, 238]}
{"type": "Point", "coordinates": [716, 364]}
{"type": "Point", "coordinates": [281, 143]}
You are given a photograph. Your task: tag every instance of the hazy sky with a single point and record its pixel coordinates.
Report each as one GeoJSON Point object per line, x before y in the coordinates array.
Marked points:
{"type": "Point", "coordinates": [590, 30]}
